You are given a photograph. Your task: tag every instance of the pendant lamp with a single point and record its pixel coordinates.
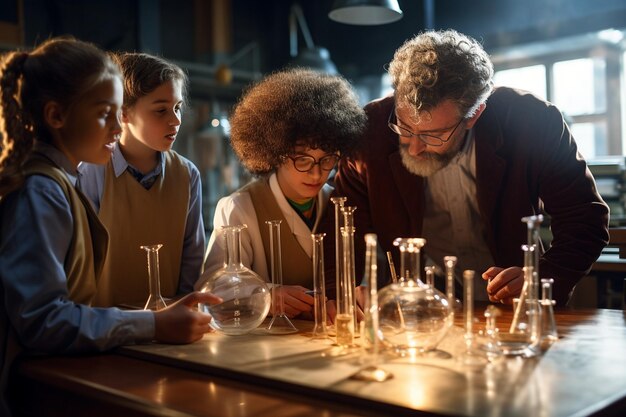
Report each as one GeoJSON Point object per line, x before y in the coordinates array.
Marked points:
{"type": "Point", "coordinates": [365, 12]}
{"type": "Point", "coordinates": [312, 56]}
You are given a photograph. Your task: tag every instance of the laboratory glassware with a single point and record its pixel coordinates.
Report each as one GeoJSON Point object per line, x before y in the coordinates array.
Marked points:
{"type": "Point", "coordinates": [455, 303]}
{"type": "Point", "coordinates": [524, 333]}
{"type": "Point", "coordinates": [549, 333]}
{"type": "Point", "coordinates": [155, 302]}
{"type": "Point", "coordinates": [246, 297]}
{"type": "Point", "coordinates": [345, 319]}
{"type": "Point", "coordinates": [413, 316]}
{"type": "Point", "coordinates": [280, 323]}
{"type": "Point", "coordinates": [320, 330]}
{"type": "Point", "coordinates": [370, 335]}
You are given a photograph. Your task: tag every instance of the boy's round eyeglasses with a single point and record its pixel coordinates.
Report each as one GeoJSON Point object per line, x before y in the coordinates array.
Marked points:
{"type": "Point", "coordinates": [429, 140]}
{"type": "Point", "coordinates": [305, 163]}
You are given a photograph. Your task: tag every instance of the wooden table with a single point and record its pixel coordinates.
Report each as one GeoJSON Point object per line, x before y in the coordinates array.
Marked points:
{"type": "Point", "coordinates": [583, 374]}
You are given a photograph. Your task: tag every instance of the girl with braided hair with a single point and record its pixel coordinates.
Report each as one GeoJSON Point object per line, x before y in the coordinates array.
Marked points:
{"type": "Point", "coordinates": [289, 130]}
{"type": "Point", "coordinates": [60, 105]}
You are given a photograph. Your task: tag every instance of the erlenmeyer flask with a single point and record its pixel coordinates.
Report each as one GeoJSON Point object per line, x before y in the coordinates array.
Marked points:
{"type": "Point", "coordinates": [280, 323]}
{"type": "Point", "coordinates": [246, 296]}
{"type": "Point", "coordinates": [524, 333]}
{"type": "Point", "coordinates": [155, 302]}
{"type": "Point", "coordinates": [414, 317]}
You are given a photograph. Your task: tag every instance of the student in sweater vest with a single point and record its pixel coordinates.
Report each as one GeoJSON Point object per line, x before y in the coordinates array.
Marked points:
{"type": "Point", "coordinates": [147, 193]}
{"type": "Point", "coordinates": [60, 105]}
{"type": "Point", "coordinates": [289, 130]}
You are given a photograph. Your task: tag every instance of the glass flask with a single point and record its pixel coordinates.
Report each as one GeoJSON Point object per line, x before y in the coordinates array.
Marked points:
{"type": "Point", "coordinates": [280, 323]}
{"type": "Point", "coordinates": [524, 333]}
{"type": "Point", "coordinates": [413, 316]}
{"type": "Point", "coordinates": [155, 302]}
{"type": "Point", "coordinates": [246, 296]}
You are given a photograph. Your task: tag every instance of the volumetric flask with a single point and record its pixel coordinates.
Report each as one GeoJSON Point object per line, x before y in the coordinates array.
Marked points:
{"type": "Point", "coordinates": [246, 296]}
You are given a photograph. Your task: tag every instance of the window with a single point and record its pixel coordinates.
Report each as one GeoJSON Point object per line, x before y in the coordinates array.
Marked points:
{"type": "Point", "coordinates": [581, 77]}
{"type": "Point", "coordinates": [532, 78]}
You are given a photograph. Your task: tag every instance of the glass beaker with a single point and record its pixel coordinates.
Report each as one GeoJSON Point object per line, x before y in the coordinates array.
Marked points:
{"type": "Point", "coordinates": [280, 323]}
{"type": "Point", "coordinates": [155, 302]}
{"type": "Point", "coordinates": [246, 296]}
{"type": "Point", "coordinates": [320, 330]}
{"type": "Point", "coordinates": [413, 317]}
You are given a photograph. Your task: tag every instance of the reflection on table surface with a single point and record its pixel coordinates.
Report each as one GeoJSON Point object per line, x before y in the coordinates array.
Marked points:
{"type": "Point", "coordinates": [581, 374]}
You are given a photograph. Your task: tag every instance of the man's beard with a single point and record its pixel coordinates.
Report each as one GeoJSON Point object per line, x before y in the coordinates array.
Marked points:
{"type": "Point", "coordinates": [431, 163]}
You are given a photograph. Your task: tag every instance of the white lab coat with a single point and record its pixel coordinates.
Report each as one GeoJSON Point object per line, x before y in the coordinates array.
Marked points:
{"type": "Point", "coordinates": [237, 209]}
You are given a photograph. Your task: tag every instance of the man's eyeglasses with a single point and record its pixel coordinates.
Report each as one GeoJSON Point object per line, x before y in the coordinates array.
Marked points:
{"type": "Point", "coordinates": [429, 140]}
{"type": "Point", "coordinates": [304, 163]}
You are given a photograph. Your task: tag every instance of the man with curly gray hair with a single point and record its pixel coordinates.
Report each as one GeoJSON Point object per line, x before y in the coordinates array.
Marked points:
{"type": "Point", "coordinates": [452, 159]}
{"type": "Point", "coordinates": [290, 130]}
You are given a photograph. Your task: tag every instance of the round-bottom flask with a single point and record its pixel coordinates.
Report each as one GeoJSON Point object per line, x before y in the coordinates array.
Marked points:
{"type": "Point", "coordinates": [246, 297]}
{"type": "Point", "coordinates": [413, 317]}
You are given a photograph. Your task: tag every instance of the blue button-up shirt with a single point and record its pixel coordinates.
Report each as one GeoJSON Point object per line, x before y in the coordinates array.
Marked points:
{"type": "Point", "coordinates": [36, 234]}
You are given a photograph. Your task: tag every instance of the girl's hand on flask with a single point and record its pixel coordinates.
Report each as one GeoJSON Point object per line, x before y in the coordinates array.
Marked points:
{"type": "Point", "coordinates": [181, 322]}
{"type": "Point", "coordinates": [296, 300]}
{"type": "Point", "coordinates": [504, 284]}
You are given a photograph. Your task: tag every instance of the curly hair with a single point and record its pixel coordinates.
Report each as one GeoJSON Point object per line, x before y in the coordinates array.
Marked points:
{"type": "Point", "coordinates": [290, 108]}
{"type": "Point", "coordinates": [143, 73]}
{"type": "Point", "coordinates": [60, 70]}
{"type": "Point", "coordinates": [438, 65]}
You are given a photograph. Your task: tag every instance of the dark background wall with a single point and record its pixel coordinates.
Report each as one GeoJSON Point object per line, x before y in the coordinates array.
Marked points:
{"type": "Point", "coordinates": [174, 27]}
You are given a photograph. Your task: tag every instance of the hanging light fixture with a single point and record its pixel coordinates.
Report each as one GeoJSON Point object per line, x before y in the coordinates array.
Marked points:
{"type": "Point", "coordinates": [365, 12]}
{"type": "Point", "coordinates": [312, 56]}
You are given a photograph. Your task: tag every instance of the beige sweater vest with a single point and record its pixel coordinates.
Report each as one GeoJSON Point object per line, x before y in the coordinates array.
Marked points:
{"type": "Point", "coordinates": [135, 217]}
{"type": "Point", "coordinates": [83, 263]}
{"type": "Point", "coordinates": [297, 267]}
{"type": "Point", "coordinates": [88, 250]}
